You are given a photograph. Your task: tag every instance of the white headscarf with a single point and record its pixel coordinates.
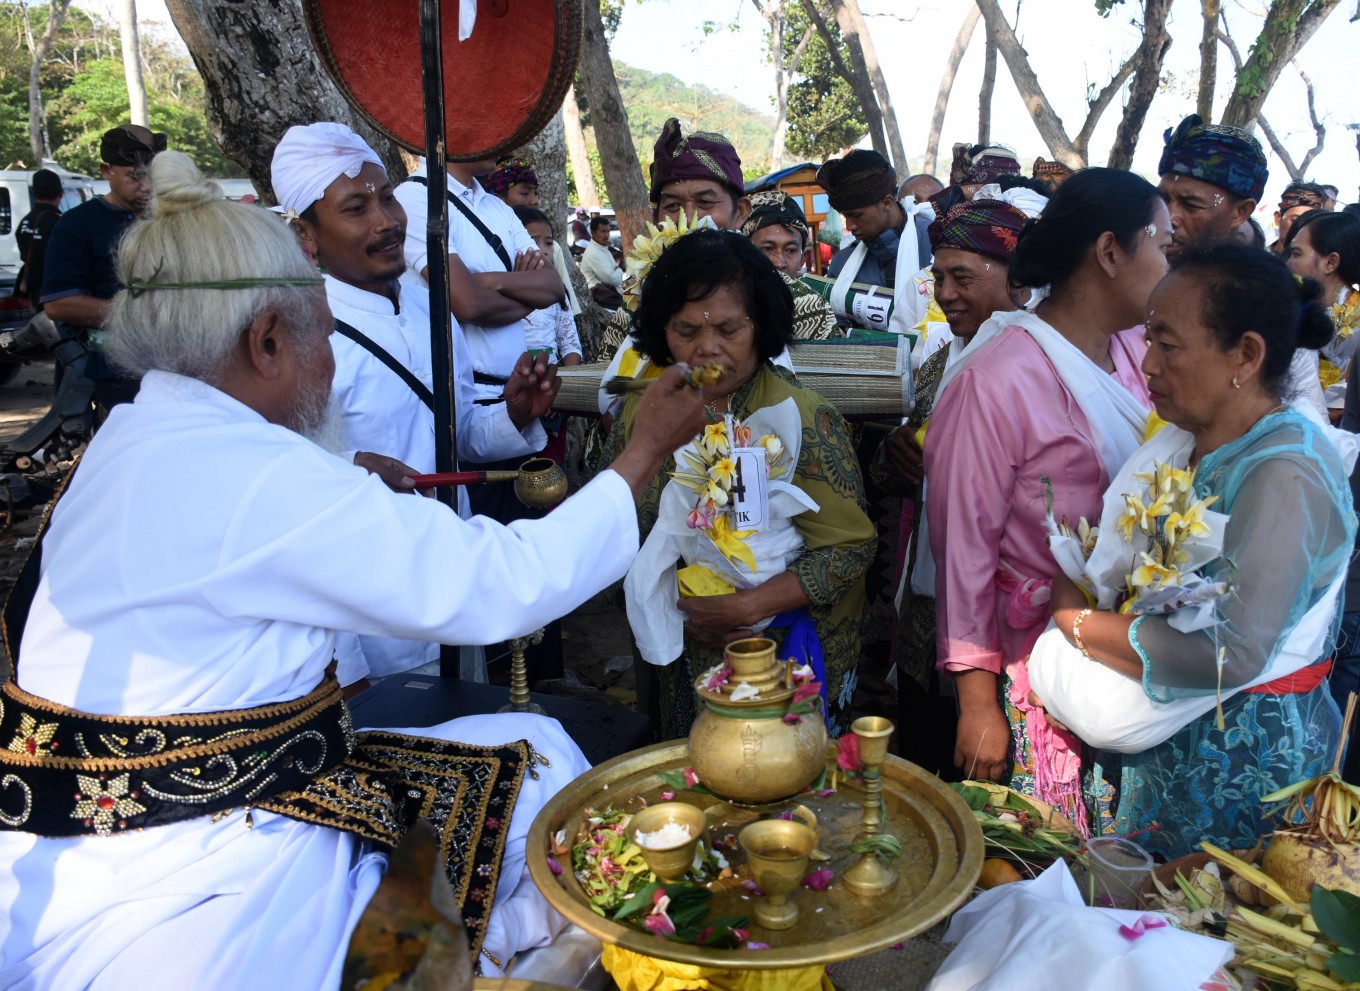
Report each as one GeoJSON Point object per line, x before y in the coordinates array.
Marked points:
{"type": "Point", "coordinates": [1026, 200]}
{"type": "Point", "coordinates": [311, 157]}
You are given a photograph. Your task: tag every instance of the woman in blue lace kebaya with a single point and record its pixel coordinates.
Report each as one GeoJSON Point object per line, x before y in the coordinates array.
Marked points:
{"type": "Point", "coordinates": [1222, 329]}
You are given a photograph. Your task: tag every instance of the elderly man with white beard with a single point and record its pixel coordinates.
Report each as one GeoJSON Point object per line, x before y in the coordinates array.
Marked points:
{"type": "Point", "coordinates": [183, 802]}
{"type": "Point", "coordinates": [351, 223]}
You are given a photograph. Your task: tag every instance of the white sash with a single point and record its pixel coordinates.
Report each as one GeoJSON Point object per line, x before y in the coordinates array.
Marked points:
{"type": "Point", "coordinates": [907, 306]}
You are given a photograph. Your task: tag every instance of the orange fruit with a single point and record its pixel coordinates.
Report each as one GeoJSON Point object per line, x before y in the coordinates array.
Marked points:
{"type": "Point", "coordinates": [996, 871]}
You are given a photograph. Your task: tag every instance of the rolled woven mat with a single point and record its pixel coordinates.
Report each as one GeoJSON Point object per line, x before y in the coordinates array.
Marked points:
{"type": "Point", "coordinates": [862, 380]}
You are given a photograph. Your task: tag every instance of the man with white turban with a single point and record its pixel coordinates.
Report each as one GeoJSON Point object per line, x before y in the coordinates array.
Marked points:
{"type": "Point", "coordinates": [183, 800]}
{"type": "Point", "coordinates": [352, 225]}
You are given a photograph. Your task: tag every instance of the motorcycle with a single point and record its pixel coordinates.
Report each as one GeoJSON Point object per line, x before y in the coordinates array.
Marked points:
{"type": "Point", "coordinates": [64, 430]}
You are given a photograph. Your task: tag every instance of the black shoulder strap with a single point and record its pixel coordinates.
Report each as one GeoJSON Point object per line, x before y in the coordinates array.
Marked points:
{"type": "Point", "coordinates": [496, 244]}
{"type": "Point", "coordinates": [373, 348]}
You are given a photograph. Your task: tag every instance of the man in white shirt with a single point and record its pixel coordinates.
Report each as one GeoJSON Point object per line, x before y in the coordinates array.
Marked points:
{"type": "Point", "coordinates": [356, 232]}
{"type": "Point", "coordinates": [598, 264]}
{"type": "Point", "coordinates": [188, 806]}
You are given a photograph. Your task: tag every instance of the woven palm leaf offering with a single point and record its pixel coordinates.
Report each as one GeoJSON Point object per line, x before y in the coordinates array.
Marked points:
{"type": "Point", "coordinates": [1023, 835]}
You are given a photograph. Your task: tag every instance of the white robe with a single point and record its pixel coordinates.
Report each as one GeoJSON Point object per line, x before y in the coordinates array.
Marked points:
{"type": "Point", "coordinates": [383, 415]}
{"type": "Point", "coordinates": [200, 561]}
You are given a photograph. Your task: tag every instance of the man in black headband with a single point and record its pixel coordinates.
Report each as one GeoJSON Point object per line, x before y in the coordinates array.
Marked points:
{"type": "Point", "coordinates": [1212, 178]}
{"type": "Point", "coordinates": [79, 279]}
{"type": "Point", "coordinates": [862, 187]}
{"type": "Point", "coordinates": [778, 228]}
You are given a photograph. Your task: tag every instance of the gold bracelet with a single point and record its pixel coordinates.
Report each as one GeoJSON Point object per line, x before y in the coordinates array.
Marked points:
{"type": "Point", "coordinates": [1076, 633]}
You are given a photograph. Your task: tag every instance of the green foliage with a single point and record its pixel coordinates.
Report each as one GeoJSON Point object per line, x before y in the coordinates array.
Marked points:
{"type": "Point", "coordinates": [1337, 914]}
{"type": "Point", "coordinates": [85, 93]}
{"type": "Point", "coordinates": [653, 97]}
{"type": "Point", "coordinates": [824, 116]}
{"type": "Point", "coordinates": [1103, 7]}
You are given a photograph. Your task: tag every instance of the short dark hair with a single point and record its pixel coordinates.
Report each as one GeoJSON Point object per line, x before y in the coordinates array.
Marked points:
{"type": "Point", "coordinates": [1248, 290]}
{"type": "Point", "coordinates": [1332, 232]}
{"type": "Point", "coordinates": [1052, 246]}
{"type": "Point", "coordinates": [698, 265]}
{"type": "Point", "coordinates": [531, 215]}
{"type": "Point", "coordinates": [46, 185]}
{"type": "Point", "coordinates": [598, 222]}
{"type": "Point", "coordinates": [1258, 234]}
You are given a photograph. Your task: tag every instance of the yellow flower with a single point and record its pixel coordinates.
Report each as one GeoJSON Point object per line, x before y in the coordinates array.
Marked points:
{"type": "Point", "coordinates": [1174, 479]}
{"type": "Point", "coordinates": [772, 444]}
{"type": "Point", "coordinates": [1134, 511]}
{"type": "Point", "coordinates": [714, 439]}
{"type": "Point", "coordinates": [715, 493]}
{"type": "Point", "coordinates": [732, 543]}
{"type": "Point", "coordinates": [1153, 574]}
{"type": "Point", "coordinates": [1191, 522]}
{"type": "Point", "coordinates": [723, 471]}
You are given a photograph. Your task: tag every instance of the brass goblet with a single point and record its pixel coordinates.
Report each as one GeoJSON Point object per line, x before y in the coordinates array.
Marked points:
{"type": "Point", "coordinates": [871, 875]}
{"type": "Point", "coordinates": [669, 863]}
{"type": "Point", "coordinates": [540, 483]}
{"type": "Point", "coordinates": [777, 852]}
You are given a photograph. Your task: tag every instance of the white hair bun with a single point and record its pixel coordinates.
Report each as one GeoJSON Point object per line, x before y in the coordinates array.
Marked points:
{"type": "Point", "coordinates": [177, 185]}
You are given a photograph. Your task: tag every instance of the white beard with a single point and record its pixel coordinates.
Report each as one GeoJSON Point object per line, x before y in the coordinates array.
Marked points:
{"type": "Point", "coordinates": [327, 431]}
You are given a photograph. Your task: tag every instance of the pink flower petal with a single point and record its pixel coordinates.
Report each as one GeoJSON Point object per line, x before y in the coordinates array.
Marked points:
{"type": "Point", "coordinates": [847, 752]}
{"type": "Point", "coordinates": [691, 778]}
{"type": "Point", "coordinates": [667, 796]}
{"type": "Point", "coordinates": [1142, 927]}
{"type": "Point", "coordinates": [752, 887]}
{"type": "Point", "coordinates": [792, 719]}
{"type": "Point", "coordinates": [752, 945]}
{"type": "Point", "coordinates": [554, 866]}
{"type": "Point", "coordinates": [787, 815]}
{"type": "Point", "coordinates": [818, 880]}
{"type": "Point", "coordinates": [826, 792]}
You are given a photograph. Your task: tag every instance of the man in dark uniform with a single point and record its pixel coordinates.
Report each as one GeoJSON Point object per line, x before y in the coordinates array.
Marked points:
{"type": "Point", "coordinates": [80, 279]}
{"type": "Point", "coordinates": [33, 232]}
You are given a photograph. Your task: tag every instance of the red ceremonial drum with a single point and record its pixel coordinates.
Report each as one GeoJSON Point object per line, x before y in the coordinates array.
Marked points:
{"type": "Point", "coordinates": [501, 86]}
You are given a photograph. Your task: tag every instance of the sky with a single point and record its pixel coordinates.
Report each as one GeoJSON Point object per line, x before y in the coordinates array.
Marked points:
{"type": "Point", "coordinates": [1070, 48]}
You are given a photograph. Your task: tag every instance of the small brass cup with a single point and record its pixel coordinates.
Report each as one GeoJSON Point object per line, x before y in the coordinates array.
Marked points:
{"type": "Point", "coordinates": [873, 733]}
{"type": "Point", "coordinates": [669, 863]}
{"type": "Point", "coordinates": [777, 852]}
{"type": "Point", "coordinates": [541, 483]}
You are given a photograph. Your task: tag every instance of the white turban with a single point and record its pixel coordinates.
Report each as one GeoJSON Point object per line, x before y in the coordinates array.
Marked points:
{"type": "Point", "coordinates": [1026, 200]}
{"type": "Point", "coordinates": [311, 157]}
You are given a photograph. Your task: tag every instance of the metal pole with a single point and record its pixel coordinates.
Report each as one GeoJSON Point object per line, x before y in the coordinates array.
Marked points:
{"type": "Point", "coordinates": [437, 242]}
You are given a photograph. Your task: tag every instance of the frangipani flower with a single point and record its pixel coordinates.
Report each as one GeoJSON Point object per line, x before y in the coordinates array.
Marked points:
{"type": "Point", "coordinates": [723, 471]}
{"type": "Point", "coordinates": [714, 439]}
{"type": "Point", "coordinates": [1153, 573]}
{"type": "Point", "coordinates": [1191, 522]}
{"type": "Point", "coordinates": [716, 495]}
{"type": "Point", "coordinates": [741, 435]}
{"type": "Point", "coordinates": [702, 515]}
{"type": "Point", "coordinates": [658, 923]}
{"type": "Point", "coordinates": [773, 446]}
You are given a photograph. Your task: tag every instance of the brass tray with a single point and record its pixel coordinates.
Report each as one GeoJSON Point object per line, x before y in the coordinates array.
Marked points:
{"type": "Point", "coordinates": [512, 984]}
{"type": "Point", "coordinates": [941, 860]}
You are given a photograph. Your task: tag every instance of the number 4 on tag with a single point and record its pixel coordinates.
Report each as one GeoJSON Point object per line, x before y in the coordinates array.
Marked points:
{"type": "Point", "coordinates": [749, 494]}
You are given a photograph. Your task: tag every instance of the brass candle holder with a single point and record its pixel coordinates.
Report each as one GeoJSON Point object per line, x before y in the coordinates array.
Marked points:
{"type": "Point", "coordinates": [777, 851]}
{"type": "Point", "coordinates": [519, 676]}
{"type": "Point", "coordinates": [871, 874]}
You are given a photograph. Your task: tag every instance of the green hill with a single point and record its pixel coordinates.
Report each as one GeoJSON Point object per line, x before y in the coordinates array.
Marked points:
{"type": "Point", "coordinates": [652, 97]}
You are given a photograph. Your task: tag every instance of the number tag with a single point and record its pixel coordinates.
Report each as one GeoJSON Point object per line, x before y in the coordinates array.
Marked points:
{"type": "Point", "coordinates": [750, 499]}
{"type": "Point", "coordinates": [873, 309]}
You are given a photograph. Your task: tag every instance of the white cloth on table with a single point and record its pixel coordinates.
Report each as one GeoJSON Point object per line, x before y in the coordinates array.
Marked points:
{"type": "Point", "coordinates": [494, 350]}
{"type": "Point", "coordinates": [598, 265]}
{"type": "Point", "coordinates": [1040, 934]}
{"type": "Point", "coordinates": [383, 415]}
{"type": "Point", "coordinates": [200, 561]}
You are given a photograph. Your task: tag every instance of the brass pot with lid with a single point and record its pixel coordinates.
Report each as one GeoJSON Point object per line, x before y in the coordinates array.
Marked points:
{"type": "Point", "coordinates": [743, 749]}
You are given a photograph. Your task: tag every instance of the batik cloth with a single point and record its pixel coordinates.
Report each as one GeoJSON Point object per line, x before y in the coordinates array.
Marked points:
{"type": "Point", "coordinates": [1227, 157]}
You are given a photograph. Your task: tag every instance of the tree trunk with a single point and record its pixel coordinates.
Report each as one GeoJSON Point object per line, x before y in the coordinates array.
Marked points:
{"type": "Point", "coordinates": [951, 69]}
{"type": "Point", "coordinates": [577, 150]}
{"type": "Point", "coordinates": [1208, 57]}
{"type": "Point", "coordinates": [854, 74]}
{"type": "Point", "coordinates": [774, 16]}
{"type": "Point", "coordinates": [261, 76]}
{"type": "Point", "coordinates": [132, 61]}
{"type": "Point", "coordinates": [38, 142]}
{"type": "Point", "coordinates": [988, 88]}
{"type": "Point", "coordinates": [1146, 79]}
{"type": "Point", "coordinates": [548, 151]}
{"type": "Point", "coordinates": [861, 45]}
{"type": "Point", "coordinates": [622, 170]}
{"type": "Point", "coordinates": [1288, 27]}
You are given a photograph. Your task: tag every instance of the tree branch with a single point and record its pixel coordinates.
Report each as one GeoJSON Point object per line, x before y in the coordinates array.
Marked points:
{"type": "Point", "coordinates": [1082, 142]}
{"type": "Point", "coordinates": [951, 68]}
